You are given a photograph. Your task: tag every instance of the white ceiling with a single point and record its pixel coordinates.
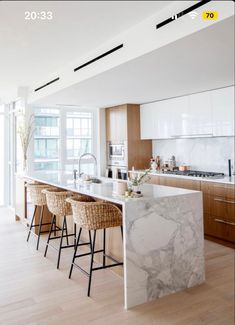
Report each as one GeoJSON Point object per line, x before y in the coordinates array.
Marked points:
{"type": "Point", "coordinates": [30, 50]}
{"type": "Point", "coordinates": [201, 61]}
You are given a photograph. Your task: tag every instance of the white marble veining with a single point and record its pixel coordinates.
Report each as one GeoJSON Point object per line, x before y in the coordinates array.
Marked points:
{"type": "Point", "coordinates": [163, 236]}
{"type": "Point", "coordinates": [207, 154]}
{"type": "Point", "coordinates": [164, 246]}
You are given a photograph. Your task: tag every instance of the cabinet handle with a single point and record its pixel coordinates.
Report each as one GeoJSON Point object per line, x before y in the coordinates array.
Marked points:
{"type": "Point", "coordinates": [192, 135]}
{"type": "Point", "coordinates": [225, 201]}
{"type": "Point", "coordinates": [226, 222]}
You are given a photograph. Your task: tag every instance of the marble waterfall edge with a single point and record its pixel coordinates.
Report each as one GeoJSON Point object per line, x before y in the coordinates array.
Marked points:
{"type": "Point", "coordinates": [164, 246]}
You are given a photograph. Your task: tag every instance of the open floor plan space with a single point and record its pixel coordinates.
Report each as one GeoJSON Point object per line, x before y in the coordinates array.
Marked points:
{"type": "Point", "coordinates": [117, 162]}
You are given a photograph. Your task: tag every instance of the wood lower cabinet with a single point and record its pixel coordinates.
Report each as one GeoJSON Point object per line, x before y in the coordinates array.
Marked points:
{"type": "Point", "coordinates": [20, 199]}
{"type": "Point", "coordinates": [218, 205]}
{"type": "Point", "coordinates": [179, 182]}
{"type": "Point", "coordinates": [219, 210]}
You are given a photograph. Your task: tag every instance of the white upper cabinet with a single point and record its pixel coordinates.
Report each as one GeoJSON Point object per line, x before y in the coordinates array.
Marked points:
{"type": "Point", "coordinates": [162, 119]}
{"type": "Point", "coordinates": [147, 121]}
{"type": "Point", "coordinates": [223, 111]}
{"type": "Point", "coordinates": [154, 119]}
{"type": "Point", "coordinates": [200, 115]}
{"type": "Point", "coordinates": [178, 116]}
{"type": "Point", "coordinates": [204, 114]}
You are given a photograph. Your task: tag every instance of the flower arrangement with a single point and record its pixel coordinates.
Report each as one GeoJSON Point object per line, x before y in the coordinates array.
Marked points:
{"type": "Point", "coordinates": [25, 131]}
{"type": "Point", "coordinates": [136, 179]}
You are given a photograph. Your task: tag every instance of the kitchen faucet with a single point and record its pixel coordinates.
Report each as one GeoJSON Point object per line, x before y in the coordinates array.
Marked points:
{"type": "Point", "coordinates": [79, 164]}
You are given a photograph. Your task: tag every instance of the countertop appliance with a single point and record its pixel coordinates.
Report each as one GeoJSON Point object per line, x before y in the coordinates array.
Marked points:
{"type": "Point", "coordinates": [116, 172]}
{"type": "Point", "coordinates": [117, 160]}
{"type": "Point", "coordinates": [117, 153]}
{"type": "Point", "coordinates": [195, 173]}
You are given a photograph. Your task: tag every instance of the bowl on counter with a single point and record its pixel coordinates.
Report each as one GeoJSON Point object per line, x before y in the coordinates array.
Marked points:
{"type": "Point", "coordinates": [184, 168]}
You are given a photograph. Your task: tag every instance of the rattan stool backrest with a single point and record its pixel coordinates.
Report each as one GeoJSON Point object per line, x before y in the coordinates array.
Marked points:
{"type": "Point", "coordinates": [35, 191]}
{"type": "Point", "coordinates": [56, 201]}
{"type": "Point", "coordinates": [95, 215]}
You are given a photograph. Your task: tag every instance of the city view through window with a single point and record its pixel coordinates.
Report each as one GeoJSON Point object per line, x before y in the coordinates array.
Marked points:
{"type": "Point", "coordinates": [50, 124]}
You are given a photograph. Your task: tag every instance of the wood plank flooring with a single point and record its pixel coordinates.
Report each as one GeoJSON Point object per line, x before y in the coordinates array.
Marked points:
{"type": "Point", "coordinates": [32, 291]}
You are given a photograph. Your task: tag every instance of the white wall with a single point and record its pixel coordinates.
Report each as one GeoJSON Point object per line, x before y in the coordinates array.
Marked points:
{"type": "Point", "coordinates": [207, 154]}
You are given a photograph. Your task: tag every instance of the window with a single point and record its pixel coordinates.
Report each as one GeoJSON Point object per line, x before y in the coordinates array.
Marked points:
{"type": "Point", "coordinates": [61, 137]}
{"type": "Point", "coordinates": [79, 140]}
{"type": "Point", "coordinates": [79, 134]}
{"type": "Point", "coordinates": [46, 139]}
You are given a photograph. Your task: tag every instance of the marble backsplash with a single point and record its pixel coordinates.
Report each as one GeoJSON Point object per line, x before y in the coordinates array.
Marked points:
{"type": "Point", "coordinates": [207, 154]}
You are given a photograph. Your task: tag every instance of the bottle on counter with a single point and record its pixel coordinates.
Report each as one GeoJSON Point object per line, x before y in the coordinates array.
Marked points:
{"type": "Point", "coordinates": [153, 165]}
{"type": "Point", "coordinates": [172, 163]}
{"type": "Point", "coordinates": [158, 162]}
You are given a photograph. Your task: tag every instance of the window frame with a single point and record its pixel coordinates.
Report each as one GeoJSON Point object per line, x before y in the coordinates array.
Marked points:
{"type": "Point", "coordinates": [63, 160]}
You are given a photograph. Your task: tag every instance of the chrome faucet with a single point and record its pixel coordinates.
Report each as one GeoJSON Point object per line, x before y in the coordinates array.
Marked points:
{"type": "Point", "coordinates": [79, 163]}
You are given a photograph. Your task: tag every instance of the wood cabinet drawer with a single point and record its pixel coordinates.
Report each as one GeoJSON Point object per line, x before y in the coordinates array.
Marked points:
{"type": "Point", "coordinates": [224, 208]}
{"type": "Point", "coordinates": [219, 207]}
{"type": "Point", "coordinates": [217, 189]}
{"type": "Point", "coordinates": [219, 228]}
{"type": "Point", "coordinates": [169, 181]}
{"type": "Point", "coordinates": [181, 183]}
{"type": "Point", "coordinates": [191, 185]}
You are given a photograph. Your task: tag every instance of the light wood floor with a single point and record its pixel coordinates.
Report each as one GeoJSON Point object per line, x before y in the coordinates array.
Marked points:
{"type": "Point", "coordinates": [32, 291]}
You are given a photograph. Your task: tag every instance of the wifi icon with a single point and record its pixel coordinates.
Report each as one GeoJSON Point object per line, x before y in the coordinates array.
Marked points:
{"type": "Point", "coordinates": [193, 14]}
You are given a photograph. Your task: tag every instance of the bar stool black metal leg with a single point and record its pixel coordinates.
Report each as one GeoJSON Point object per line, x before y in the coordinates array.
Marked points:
{"type": "Point", "coordinates": [75, 252]}
{"type": "Point", "coordinates": [61, 242]}
{"type": "Point", "coordinates": [66, 231]}
{"type": "Point", "coordinates": [40, 226]}
{"type": "Point", "coordinates": [104, 247]}
{"type": "Point", "coordinates": [31, 224]}
{"type": "Point", "coordinates": [54, 225]}
{"type": "Point", "coordinates": [121, 231]}
{"type": "Point", "coordinates": [91, 266]}
{"type": "Point", "coordinates": [90, 239]}
{"type": "Point", "coordinates": [49, 235]}
{"type": "Point", "coordinates": [75, 235]}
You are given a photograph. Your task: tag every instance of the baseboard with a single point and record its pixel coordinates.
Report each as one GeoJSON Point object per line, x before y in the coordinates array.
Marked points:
{"type": "Point", "coordinates": [220, 241]}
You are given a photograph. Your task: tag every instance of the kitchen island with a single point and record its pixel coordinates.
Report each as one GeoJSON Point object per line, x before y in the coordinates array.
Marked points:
{"type": "Point", "coordinates": [163, 247]}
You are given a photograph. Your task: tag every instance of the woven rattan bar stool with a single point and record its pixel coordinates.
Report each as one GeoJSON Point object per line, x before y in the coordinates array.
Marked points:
{"type": "Point", "coordinates": [57, 205]}
{"type": "Point", "coordinates": [38, 199]}
{"type": "Point", "coordinates": [93, 216]}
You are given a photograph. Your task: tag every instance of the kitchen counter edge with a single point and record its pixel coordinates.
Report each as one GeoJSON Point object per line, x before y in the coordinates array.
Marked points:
{"type": "Point", "coordinates": [225, 180]}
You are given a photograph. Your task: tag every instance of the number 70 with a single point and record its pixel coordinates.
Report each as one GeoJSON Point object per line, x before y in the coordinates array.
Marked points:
{"type": "Point", "coordinates": [210, 15]}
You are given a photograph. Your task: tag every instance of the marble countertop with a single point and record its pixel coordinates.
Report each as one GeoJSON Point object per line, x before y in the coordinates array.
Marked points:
{"type": "Point", "coordinates": [163, 238]}
{"type": "Point", "coordinates": [103, 190]}
{"type": "Point", "coordinates": [225, 180]}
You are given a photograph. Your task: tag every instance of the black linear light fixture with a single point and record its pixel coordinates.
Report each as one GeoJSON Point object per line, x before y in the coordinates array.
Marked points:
{"type": "Point", "coordinates": [47, 84]}
{"type": "Point", "coordinates": [99, 57]}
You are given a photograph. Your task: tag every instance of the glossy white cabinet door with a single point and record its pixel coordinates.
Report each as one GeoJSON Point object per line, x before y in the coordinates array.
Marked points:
{"type": "Point", "coordinates": [163, 119]}
{"type": "Point", "coordinates": [223, 111]}
{"type": "Point", "coordinates": [199, 117]}
{"type": "Point", "coordinates": [209, 113]}
{"type": "Point", "coordinates": [147, 121]}
{"type": "Point", "coordinates": [156, 121]}
{"type": "Point", "coordinates": [179, 116]}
